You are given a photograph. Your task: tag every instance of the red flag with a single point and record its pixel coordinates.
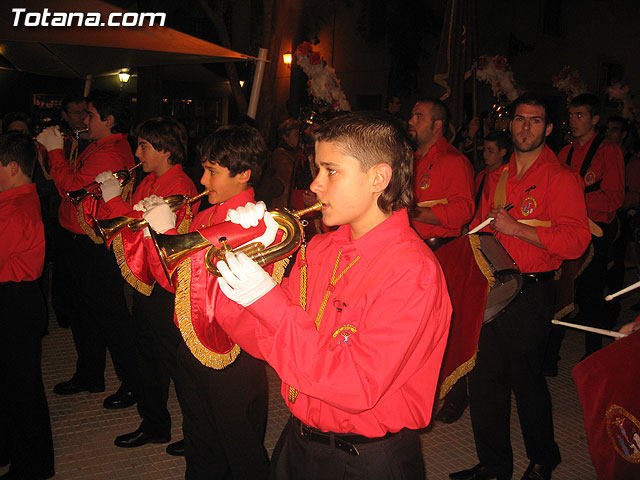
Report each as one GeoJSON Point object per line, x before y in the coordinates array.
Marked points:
{"type": "Point", "coordinates": [609, 392]}
{"type": "Point", "coordinates": [456, 55]}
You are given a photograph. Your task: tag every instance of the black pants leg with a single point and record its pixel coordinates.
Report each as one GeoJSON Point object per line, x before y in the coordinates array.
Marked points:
{"type": "Point", "coordinates": [590, 287]}
{"type": "Point", "coordinates": [157, 339]}
{"type": "Point", "coordinates": [106, 321]}
{"type": "Point", "coordinates": [510, 355]}
{"type": "Point", "coordinates": [225, 418]}
{"type": "Point", "coordinates": [22, 398]}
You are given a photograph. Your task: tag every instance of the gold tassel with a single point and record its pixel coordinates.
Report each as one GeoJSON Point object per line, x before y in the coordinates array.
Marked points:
{"type": "Point", "coordinates": [130, 278]}
{"type": "Point", "coordinates": [482, 263]}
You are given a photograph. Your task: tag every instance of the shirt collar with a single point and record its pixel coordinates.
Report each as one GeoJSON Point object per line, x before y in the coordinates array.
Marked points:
{"type": "Point", "coordinates": [239, 200]}
{"type": "Point", "coordinates": [375, 240]}
{"type": "Point", "coordinates": [168, 176]}
{"type": "Point", "coordinates": [18, 191]}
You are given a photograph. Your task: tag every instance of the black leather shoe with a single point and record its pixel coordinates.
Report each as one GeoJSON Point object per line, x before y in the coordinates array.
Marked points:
{"type": "Point", "coordinates": [176, 448]}
{"type": "Point", "coordinates": [71, 387]}
{"type": "Point", "coordinates": [139, 438]}
{"type": "Point", "coordinates": [451, 411]}
{"type": "Point", "coordinates": [479, 472]}
{"type": "Point", "coordinates": [123, 398]}
{"type": "Point", "coordinates": [535, 471]}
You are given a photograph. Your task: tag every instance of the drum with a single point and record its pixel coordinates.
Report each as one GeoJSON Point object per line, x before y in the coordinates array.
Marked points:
{"type": "Point", "coordinates": [502, 272]}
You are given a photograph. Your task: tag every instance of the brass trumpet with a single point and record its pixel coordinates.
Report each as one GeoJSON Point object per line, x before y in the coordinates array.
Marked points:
{"type": "Point", "coordinates": [69, 132]}
{"type": "Point", "coordinates": [109, 228]}
{"type": "Point", "coordinates": [174, 249]}
{"type": "Point", "coordinates": [76, 196]}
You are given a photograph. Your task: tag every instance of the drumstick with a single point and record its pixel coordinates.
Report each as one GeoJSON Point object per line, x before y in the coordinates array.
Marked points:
{"type": "Point", "coordinates": [600, 331]}
{"type": "Point", "coordinates": [623, 291]}
{"type": "Point", "coordinates": [488, 221]}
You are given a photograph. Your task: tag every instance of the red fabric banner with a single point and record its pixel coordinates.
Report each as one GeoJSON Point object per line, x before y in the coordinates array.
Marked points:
{"type": "Point", "coordinates": [609, 392]}
{"type": "Point", "coordinates": [468, 289]}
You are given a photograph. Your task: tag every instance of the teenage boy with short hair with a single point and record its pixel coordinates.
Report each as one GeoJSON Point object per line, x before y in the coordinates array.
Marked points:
{"type": "Point", "coordinates": [23, 404]}
{"type": "Point", "coordinates": [358, 330]}
{"type": "Point", "coordinates": [100, 317]}
{"type": "Point", "coordinates": [223, 389]}
{"type": "Point", "coordinates": [162, 147]}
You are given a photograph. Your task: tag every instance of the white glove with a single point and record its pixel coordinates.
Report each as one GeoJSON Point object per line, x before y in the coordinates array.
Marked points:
{"type": "Point", "coordinates": [109, 186]}
{"type": "Point", "coordinates": [243, 280]}
{"type": "Point", "coordinates": [139, 207]}
{"type": "Point", "coordinates": [160, 218]}
{"type": "Point", "coordinates": [152, 201]}
{"type": "Point", "coordinates": [247, 216]}
{"type": "Point", "coordinates": [51, 138]}
{"type": "Point", "coordinates": [250, 215]}
{"type": "Point", "coordinates": [146, 232]}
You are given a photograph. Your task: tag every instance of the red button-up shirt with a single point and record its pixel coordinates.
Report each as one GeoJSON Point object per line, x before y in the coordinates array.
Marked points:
{"type": "Point", "coordinates": [111, 153]}
{"type": "Point", "coordinates": [548, 191]}
{"type": "Point", "coordinates": [608, 166]}
{"type": "Point", "coordinates": [443, 172]}
{"type": "Point", "coordinates": [373, 365]}
{"type": "Point", "coordinates": [21, 235]}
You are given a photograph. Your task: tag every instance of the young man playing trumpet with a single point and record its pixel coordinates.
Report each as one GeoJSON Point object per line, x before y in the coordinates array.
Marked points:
{"type": "Point", "coordinates": [162, 148]}
{"type": "Point", "coordinates": [358, 330]}
{"type": "Point", "coordinates": [100, 318]}
{"type": "Point", "coordinates": [223, 389]}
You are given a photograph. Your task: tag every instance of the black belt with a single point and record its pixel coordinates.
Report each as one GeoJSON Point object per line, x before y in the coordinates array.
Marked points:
{"type": "Point", "coordinates": [538, 276]}
{"type": "Point", "coordinates": [343, 441]}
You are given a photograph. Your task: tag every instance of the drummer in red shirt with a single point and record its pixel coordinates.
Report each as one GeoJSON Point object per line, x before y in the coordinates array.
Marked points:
{"type": "Point", "coordinates": [600, 163]}
{"type": "Point", "coordinates": [358, 330]}
{"type": "Point", "coordinates": [443, 177]}
{"type": "Point", "coordinates": [547, 225]}
{"type": "Point", "coordinates": [23, 404]}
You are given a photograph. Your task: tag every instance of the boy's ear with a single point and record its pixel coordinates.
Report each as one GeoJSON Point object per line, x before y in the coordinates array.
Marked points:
{"type": "Point", "coordinates": [244, 177]}
{"type": "Point", "coordinates": [381, 176]}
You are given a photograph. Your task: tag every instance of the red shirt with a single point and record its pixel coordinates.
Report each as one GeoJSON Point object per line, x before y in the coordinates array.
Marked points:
{"type": "Point", "coordinates": [21, 235]}
{"type": "Point", "coordinates": [373, 365]}
{"type": "Point", "coordinates": [142, 255]}
{"type": "Point", "coordinates": [444, 173]}
{"type": "Point", "coordinates": [548, 191]}
{"type": "Point", "coordinates": [608, 166]}
{"type": "Point", "coordinates": [111, 153]}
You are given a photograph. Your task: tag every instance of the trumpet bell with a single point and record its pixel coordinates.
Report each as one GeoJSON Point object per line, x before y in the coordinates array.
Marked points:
{"type": "Point", "coordinates": [173, 249]}
{"type": "Point", "coordinates": [109, 227]}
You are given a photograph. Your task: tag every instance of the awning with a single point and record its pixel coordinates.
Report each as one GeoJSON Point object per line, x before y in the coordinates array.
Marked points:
{"type": "Point", "coordinates": [80, 51]}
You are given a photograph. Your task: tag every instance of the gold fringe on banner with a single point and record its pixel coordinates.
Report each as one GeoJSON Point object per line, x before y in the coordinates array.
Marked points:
{"type": "Point", "coordinates": [130, 278]}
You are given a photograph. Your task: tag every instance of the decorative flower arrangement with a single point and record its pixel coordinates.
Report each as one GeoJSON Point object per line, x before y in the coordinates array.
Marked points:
{"type": "Point", "coordinates": [496, 72]}
{"type": "Point", "coordinates": [620, 93]}
{"type": "Point", "coordinates": [569, 82]}
{"type": "Point", "coordinates": [323, 84]}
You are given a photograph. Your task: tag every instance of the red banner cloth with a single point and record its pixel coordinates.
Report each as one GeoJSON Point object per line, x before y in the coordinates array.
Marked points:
{"type": "Point", "coordinates": [609, 392]}
{"type": "Point", "coordinates": [468, 289]}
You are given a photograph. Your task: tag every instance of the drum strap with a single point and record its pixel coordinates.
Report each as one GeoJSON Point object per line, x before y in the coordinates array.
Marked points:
{"type": "Point", "coordinates": [500, 199]}
{"type": "Point", "coordinates": [431, 203]}
{"type": "Point", "coordinates": [500, 195]}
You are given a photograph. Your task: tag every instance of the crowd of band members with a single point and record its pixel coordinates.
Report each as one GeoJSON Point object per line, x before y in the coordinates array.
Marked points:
{"type": "Point", "coordinates": [221, 387]}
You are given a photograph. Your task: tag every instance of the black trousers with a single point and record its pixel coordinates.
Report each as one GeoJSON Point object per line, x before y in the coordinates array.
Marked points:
{"type": "Point", "coordinates": [590, 287]}
{"type": "Point", "coordinates": [100, 319]}
{"type": "Point", "coordinates": [157, 339]}
{"type": "Point", "coordinates": [396, 457]}
{"type": "Point", "coordinates": [24, 412]}
{"type": "Point", "coordinates": [224, 418]}
{"type": "Point", "coordinates": [510, 355]}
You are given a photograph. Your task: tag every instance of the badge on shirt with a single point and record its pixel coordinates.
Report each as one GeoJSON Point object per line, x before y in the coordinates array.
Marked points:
{"type": "Point", "coordinates": [343, 334]}
{"type": "Point", "coordinates": [590, 177]}
{"type": "Point", "coordinates": [425, 181]}
{"type": "Point", "coordinates": [529, 204]}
